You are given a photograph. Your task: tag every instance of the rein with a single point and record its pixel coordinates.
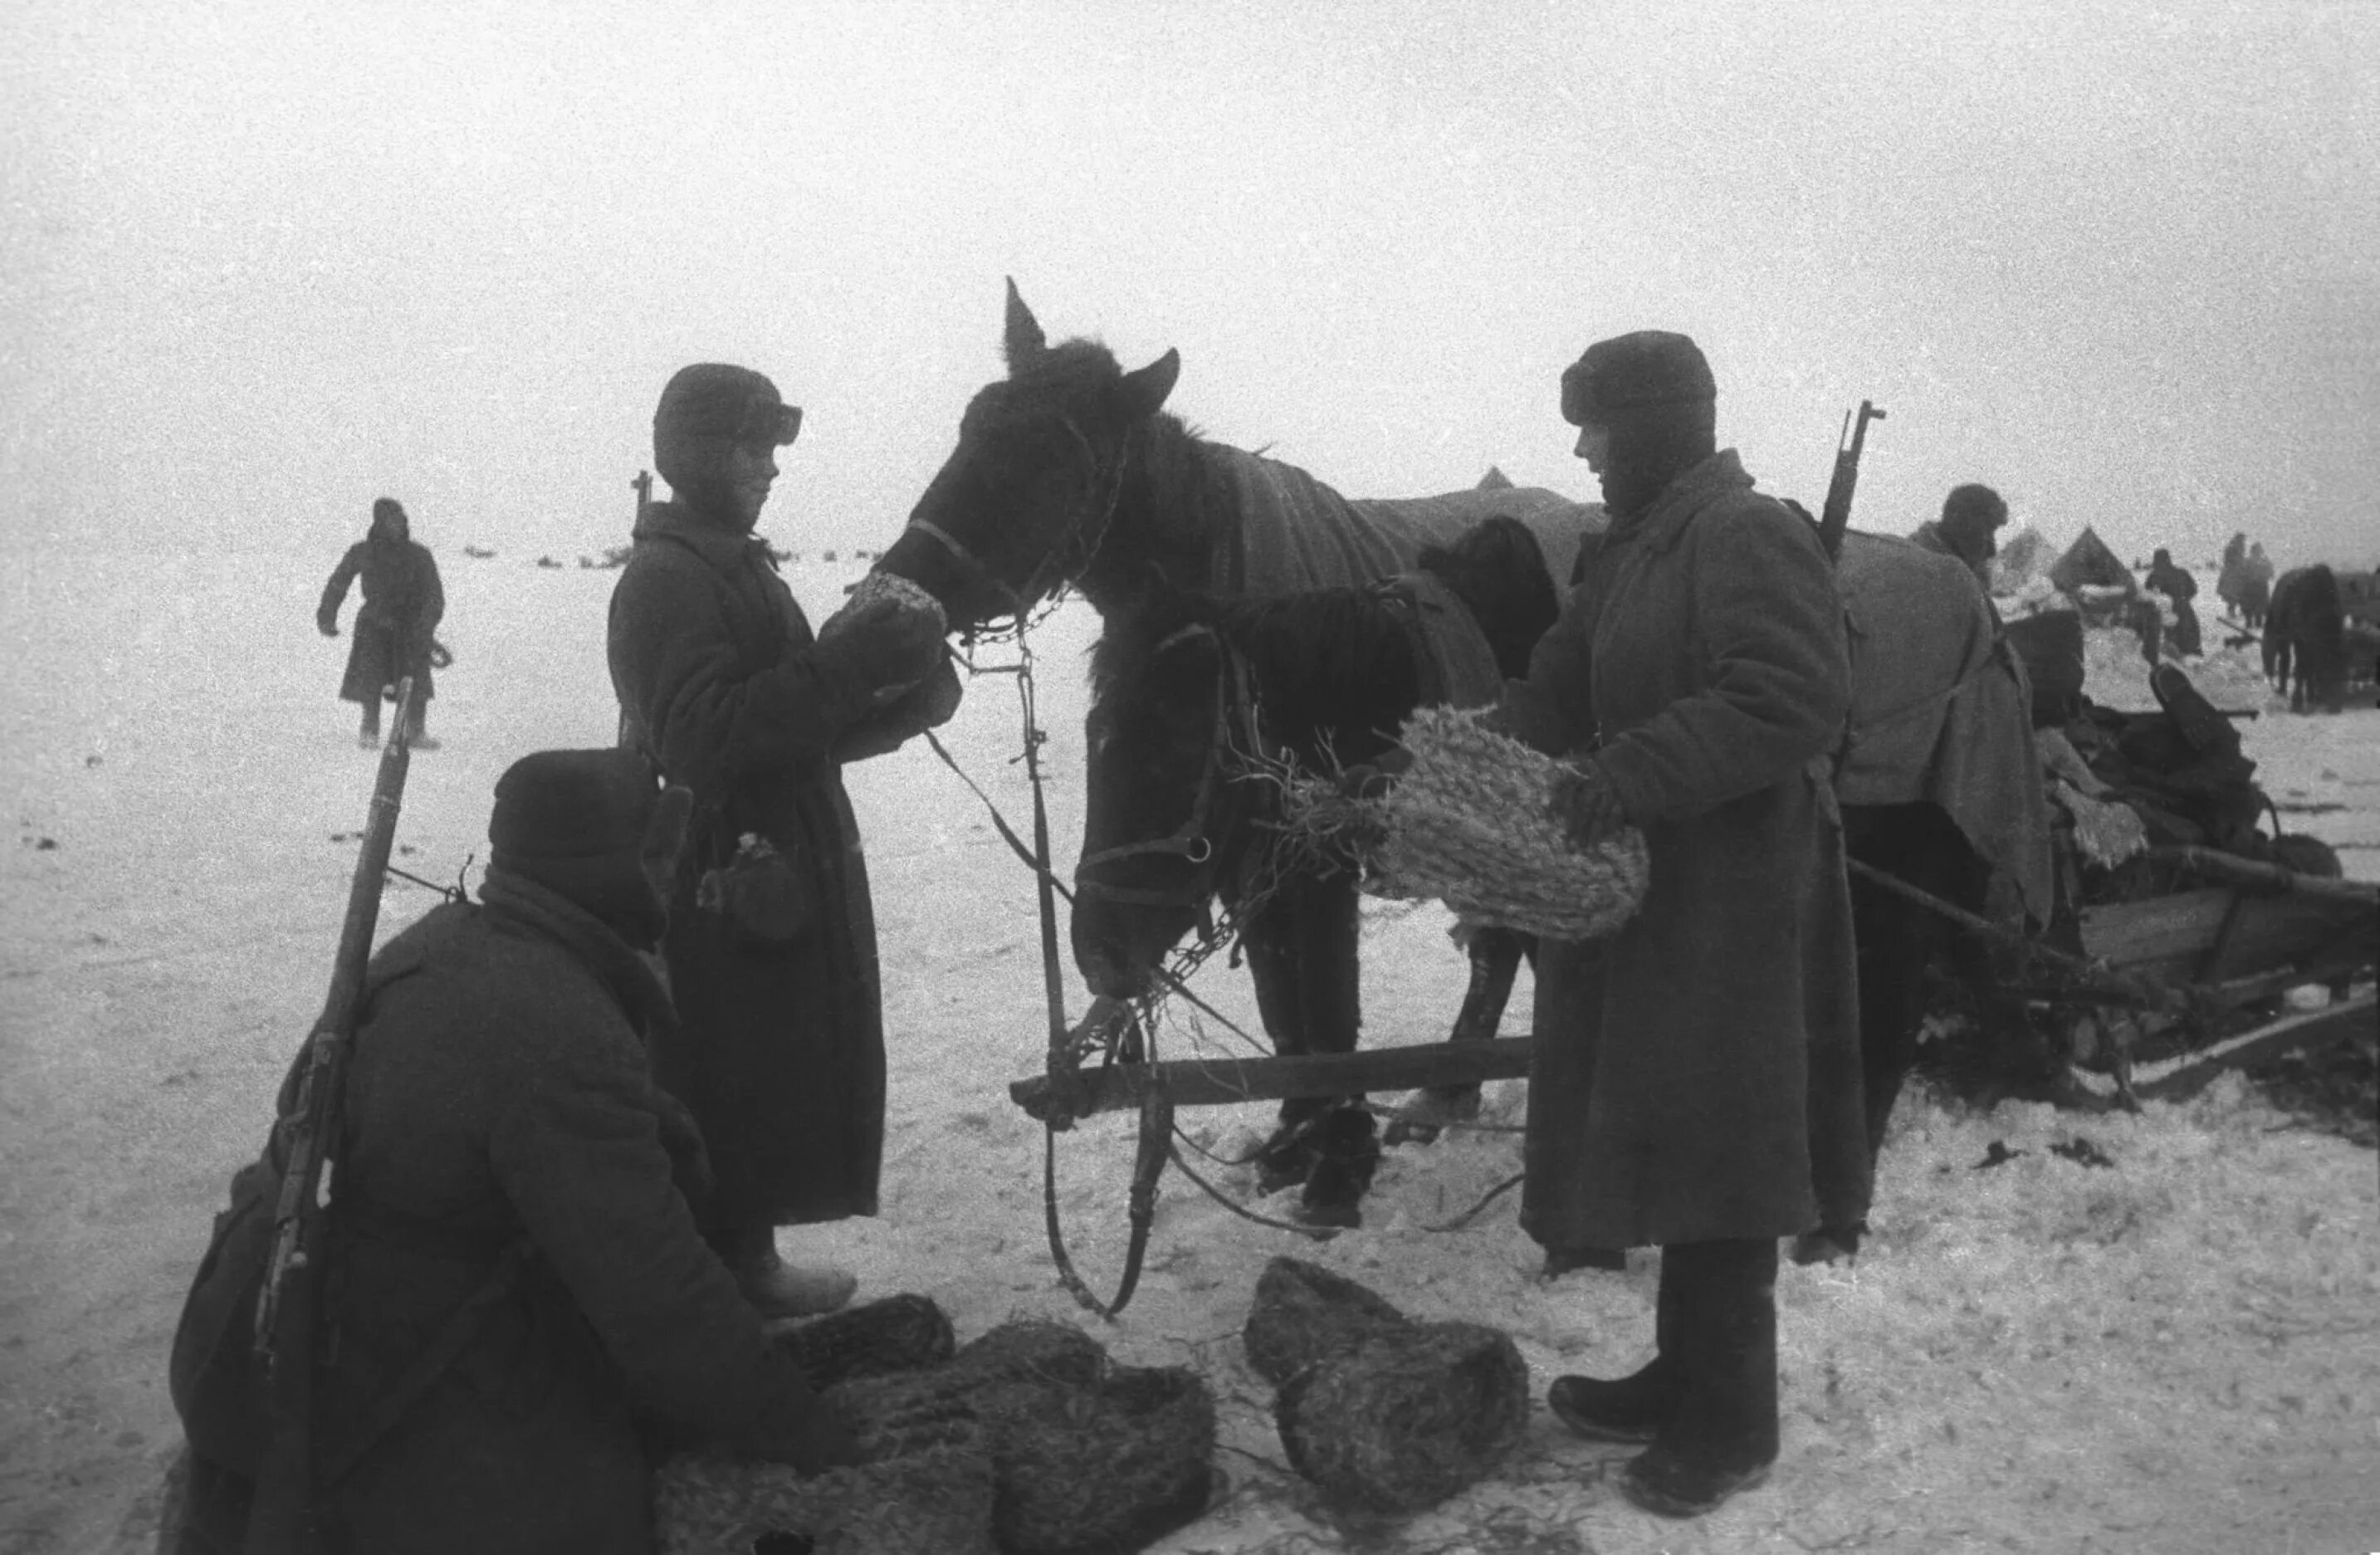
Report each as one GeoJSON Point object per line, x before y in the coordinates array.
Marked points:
{"type": "Point", "coordinates": [1063, 1060]}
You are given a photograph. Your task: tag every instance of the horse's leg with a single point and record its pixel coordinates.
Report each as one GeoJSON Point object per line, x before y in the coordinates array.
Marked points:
{"type": "Point", "coordinates": [1348, 1142]}
{"type": "Point", "coordinates": [1268, 941]}
{"type": "Point", "coordinates": [1495, 956]}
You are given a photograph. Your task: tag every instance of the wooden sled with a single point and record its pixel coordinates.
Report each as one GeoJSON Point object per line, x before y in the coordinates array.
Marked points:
{"type": "Point", "coordinates": [2209, 955]}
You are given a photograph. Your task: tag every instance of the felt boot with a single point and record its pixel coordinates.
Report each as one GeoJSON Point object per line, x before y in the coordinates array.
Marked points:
{"type": "Point", "coordinates": [775, 1288]}
{"type": "Point", "coordinates": [1633, 1407]}
{"type": "Point", "coordinates": [1721, 1436]}
{"type": "Point", "coordinates": [417, 737]}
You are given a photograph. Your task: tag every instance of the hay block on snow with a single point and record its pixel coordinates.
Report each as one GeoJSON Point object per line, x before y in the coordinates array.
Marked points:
{"type": "Point", "coordinates": [1407, 1417]}
{"type": "Point", "coordinates": [1086, 1456]}
{"type": "Point", "coordinates": [1383, 1413]}
{"type": "Point", "coordinates": [1099, 1470]}
{"type": "Point", "coordinates": [939, 1500]}
{"type": "Point", "coordinates": [1304, 1312]}
{"type": "Point", "coordinates": [899, 1333]}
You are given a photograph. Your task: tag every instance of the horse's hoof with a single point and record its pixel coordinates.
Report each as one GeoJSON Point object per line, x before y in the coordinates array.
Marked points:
{"type": "Point", "coordinates": [1427, 1112]}
{"type": "Point", "coordinates": [1286, 1158]}
{"type": "Point", "coordinates": [1336, 1214]}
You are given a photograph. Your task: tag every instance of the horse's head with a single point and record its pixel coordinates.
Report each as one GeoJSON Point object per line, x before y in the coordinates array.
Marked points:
{"type": "Point", "coordinates": [1021, 505]}
{"type": "Point", "coordinates": [1498, 570]}
{"type": "Point", "coordinates": [1164, 812]}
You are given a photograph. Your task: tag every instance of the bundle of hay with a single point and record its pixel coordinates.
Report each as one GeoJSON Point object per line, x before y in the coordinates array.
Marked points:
{"type": "Point", "coordinates": [1471, 823]}
{"type": "Point", "coordinates": [899, 1333]}
{"type": "Point", "coordinates": [910, 1412]}
{"type": "Point", "coordinates": [1407, 1417]}
{"type": "Point", "coordinates": [1384, 1414]}
{"type": "Point", "coordinates": [1086, 1456]}
{"type": "Point", "coordinates": [1304, 1313]}
{"type": "Point", "coordinates": [939, 1500]}
{"type": "Point", "coordinates": [1099, 1470]}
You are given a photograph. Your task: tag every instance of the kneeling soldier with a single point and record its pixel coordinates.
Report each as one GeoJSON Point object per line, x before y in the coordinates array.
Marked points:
{"type": "Point", "coordinates": [520, 1313]}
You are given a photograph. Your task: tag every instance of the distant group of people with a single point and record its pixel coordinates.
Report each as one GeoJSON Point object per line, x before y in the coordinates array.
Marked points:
{"type": "Point", "coordinates": [2246, 581]}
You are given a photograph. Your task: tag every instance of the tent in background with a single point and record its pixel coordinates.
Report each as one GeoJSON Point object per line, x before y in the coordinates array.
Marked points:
{"type": "Point", "coordinates": [2089, 564]}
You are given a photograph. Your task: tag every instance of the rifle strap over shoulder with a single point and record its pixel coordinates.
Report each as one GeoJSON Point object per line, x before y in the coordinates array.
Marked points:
{"type": "Point", "coordinates": [445, 1348]}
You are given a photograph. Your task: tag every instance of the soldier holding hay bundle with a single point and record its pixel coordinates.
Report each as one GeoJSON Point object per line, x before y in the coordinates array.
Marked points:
{"type": "Point", "coordinates": [1696, 1083]}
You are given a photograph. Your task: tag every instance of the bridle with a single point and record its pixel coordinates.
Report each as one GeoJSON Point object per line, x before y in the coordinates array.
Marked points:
{"type": "Point", "coordinates": [1236, 729]}
{"type": "Point", "coordinates": [1056, 569]}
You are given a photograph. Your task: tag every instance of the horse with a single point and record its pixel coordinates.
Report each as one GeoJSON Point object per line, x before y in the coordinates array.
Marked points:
{"type": "Point", "coordinates": [1935, 776]}
{"type": "Point", "coordinates": [2305, 639]}
{"type": "Point", "coordinates": [1070, 473]}
{"type": "Point", "coordinates": [1198, 706]}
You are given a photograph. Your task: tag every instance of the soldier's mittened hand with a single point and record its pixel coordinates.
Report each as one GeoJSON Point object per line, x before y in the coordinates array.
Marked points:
{"type": "Point", "coordinates": [1587, 806]}
{"type": "Point", "coordinates": [325, 625]}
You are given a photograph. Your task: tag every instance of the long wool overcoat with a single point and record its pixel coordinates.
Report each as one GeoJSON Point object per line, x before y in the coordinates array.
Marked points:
{"type": "Point", "coordinates": [1698, 1074]}
{"type": "Point", "coordinates": [500, 1089]}
{"type": "Point", "coordinates": [402, 606]}
{"type": "Point", "coordinates": [780, 1046]}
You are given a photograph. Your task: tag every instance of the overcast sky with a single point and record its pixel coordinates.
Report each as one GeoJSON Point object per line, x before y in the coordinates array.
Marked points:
{"type": "Point", "coordinates": [264, 263]}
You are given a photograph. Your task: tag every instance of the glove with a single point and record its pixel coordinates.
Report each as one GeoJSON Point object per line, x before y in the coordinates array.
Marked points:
{"type": "Point", "coordinates": [327, 625]}
{"type": "Point", "coordinates": [1587, 806]}
{"type": "Point", "coordinates": [814, 1436]}
{"type": "Point", "coordinates": [1373, 779]}
{"type": "Point", "coordinates": [883, 647]}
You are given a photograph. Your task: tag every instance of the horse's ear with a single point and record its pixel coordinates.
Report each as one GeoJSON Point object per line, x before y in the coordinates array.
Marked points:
{"type": "Point", "coordinates": [1024, 341]}
{"type": "Point", "coordinates": [1144, 389]}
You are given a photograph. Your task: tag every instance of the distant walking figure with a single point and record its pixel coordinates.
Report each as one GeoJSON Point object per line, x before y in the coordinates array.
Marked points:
{"type": "Point", "coordinates": [2166, 577]}
{"type": "Point", "coordinates": [403, 602]}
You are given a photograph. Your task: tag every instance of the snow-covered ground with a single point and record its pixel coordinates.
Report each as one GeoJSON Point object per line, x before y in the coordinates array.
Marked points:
{"type": "Point", "coordinates": [2177, 1354]}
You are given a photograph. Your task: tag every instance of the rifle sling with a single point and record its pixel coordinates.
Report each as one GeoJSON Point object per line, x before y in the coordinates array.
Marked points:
{"type": "Point", "coordinates": [398, 1399]}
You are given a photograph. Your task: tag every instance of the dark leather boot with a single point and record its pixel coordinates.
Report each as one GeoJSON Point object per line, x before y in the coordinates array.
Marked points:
{"type": "Point", "coordinates": [1721, 1436]}
{"type": "Point", "coordinates": [1633, 1408]}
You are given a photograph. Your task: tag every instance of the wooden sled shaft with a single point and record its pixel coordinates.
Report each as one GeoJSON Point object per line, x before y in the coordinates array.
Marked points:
{"type": "Point", "coordinates": [1205, 1082]}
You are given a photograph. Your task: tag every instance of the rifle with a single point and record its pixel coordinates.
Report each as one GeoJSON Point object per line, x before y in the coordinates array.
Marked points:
{"type": "Point", "coordinates": [1837, 514]}
{"type": "Point", "coordinates": [307, 1142]}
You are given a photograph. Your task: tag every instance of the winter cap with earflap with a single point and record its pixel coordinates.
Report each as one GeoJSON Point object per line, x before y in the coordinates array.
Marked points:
{"type": "Point", "coordinates": [712, 405]}
{"type": "Point", "coordinates": [574, 821]}
{"type": "Point", "coordinates": [1630, 371]}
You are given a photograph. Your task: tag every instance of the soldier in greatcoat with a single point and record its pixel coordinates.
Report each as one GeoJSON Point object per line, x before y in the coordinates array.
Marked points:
{"type": "Point", "coordinates": [1972, 516]}
{"type": "Point", "coordinates": [395, 625]}
{"type": "Point", "coordinates": [1697, 1081]}
{"type": "Point", "coordinates": [771, 943]}
{"type": "Point", "coordinates": [521, 1314]}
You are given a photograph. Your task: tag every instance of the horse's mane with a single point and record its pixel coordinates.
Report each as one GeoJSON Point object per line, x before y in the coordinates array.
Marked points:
{"type": "Point", "coordinates": [1332, 665]}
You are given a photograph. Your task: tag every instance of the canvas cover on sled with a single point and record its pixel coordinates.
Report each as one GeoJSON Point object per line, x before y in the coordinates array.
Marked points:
{"type": "Point", "coordinates": [1941, 707]}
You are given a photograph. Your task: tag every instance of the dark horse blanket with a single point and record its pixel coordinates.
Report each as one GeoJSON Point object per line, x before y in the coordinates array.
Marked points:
{"type": "Point", "coordinates": [1296, 533]}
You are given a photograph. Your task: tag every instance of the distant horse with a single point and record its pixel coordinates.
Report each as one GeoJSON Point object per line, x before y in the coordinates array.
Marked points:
{"type": "Point", "coordinates": [1069, 473]}
{"type": "Point", "coordinates": [2305, 639]}
{"type": "Point", "coordinates": [1195, 704]}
